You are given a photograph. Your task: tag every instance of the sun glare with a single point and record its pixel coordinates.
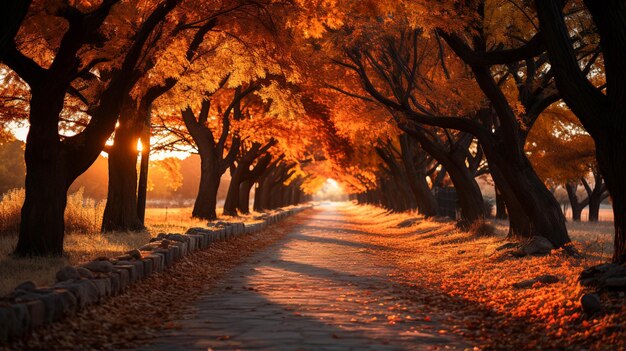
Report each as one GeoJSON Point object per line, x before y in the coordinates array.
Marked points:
{"type": "Point", "coordinates": [331, 191]}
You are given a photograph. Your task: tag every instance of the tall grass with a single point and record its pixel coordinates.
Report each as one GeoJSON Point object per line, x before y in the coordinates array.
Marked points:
{"type": "Point", "coordinates": [10, 207]}
{"type": "Point", "coordinates": [83, 241]}
{"type": "Point", "coordinates": [82, 215]}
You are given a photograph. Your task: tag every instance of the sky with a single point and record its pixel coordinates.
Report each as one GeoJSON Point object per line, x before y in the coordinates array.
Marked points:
{"type": "Point", "coordinates": [20, 133]}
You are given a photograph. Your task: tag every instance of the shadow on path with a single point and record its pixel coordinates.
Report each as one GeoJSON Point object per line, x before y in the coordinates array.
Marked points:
{"type": "Point", "coordinates": [310, 291]}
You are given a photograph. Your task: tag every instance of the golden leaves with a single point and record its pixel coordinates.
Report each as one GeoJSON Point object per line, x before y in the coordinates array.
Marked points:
{"type": "Point", "coordinates": [164, 176]}
{"type": "Point", "coordinates": [556, 137]}
{"type": "Point", "coordinates": [314, 17]}
{"type": "Point", "coordinates": [506, 21]}
{"type": "Point", "coordinates": [283, 102]}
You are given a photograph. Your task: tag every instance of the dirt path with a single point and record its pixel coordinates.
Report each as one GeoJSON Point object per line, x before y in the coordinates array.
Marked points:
{"type": "Point", "coordinates": [317, 289]}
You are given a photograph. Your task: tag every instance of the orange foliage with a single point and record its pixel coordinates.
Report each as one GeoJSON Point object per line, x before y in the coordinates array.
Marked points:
{"type": "Point", "coordinates": [559, 148]}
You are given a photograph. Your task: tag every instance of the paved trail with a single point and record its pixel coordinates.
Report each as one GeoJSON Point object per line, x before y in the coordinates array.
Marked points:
{"type": "Point", "coordinates": [317, 289]}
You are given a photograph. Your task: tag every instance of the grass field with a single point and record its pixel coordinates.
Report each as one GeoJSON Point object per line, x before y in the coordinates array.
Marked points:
{"type": "Point", "coordinates": [86, 245]}
{"type": "Point", "coordinates": [595, 238]}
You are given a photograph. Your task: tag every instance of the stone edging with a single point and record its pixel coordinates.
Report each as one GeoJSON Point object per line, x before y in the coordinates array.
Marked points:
{"type": "Point", "coordinates": [29, 306]}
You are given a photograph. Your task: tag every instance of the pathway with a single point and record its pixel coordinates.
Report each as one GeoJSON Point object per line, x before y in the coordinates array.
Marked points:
{"type": "Point", "coordinates": [317, 289]}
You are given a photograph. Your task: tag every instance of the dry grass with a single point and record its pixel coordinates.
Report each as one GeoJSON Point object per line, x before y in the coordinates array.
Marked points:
{"type": "Point", "coordinates": [482, 228]}
{"type": "Point", "coordinates": [171, 220]}
{"type": "Point", "coordinates": [82, 215]}
{"type": "Point", "coordinates": [10, 207]}
{"type": "Point", "coordinates": [464, 278]}
{"type": "Point", "coordinates": [79, 248]}
{"type": "Point", "coordinates": [84, 241]}
{"type": "Point", "coordinates": [178, 219]}
{"type": "Point", "coordinates": [133, 318]}
{"type": "Point", "coordinates": [595, 239]}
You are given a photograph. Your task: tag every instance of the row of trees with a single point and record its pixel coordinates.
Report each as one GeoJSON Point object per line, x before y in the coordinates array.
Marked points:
{"type": "Point", "coordinates": [95, 70]}
{"type": "Point", "coordinates": [171, 181]}
{"type": "Point", "coordinates": [391, 99]}
{"type": "Point", "coordinates": [490, 73]}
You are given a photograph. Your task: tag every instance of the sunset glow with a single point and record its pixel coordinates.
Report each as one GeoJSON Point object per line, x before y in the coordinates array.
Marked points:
{"type": "Point", "coordinates": [313, 175]}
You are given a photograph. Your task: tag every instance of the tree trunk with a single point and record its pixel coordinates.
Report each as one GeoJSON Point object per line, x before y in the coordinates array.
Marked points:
{"type": "Point", "coordinates": [286, 196]}
{"type": "Point", "coordinates": [244, 196]}
{"type": "Point", "coordinates": [369, 197]}
{"type": "Point", "coordinates": [612, 163]}
{"type": "Point", "coordinates": [500, 205]}
{"type": "Point", "coordinates": [120, 213]}
{"type": "Point", "coordinates": [600, 113]}
{"type": "Point", "coordinates": [232, 197]}
{"type": "Point", "coordinates": [276, 195]}
{"type": "Point", "coordinates": [505, 149]}
{"type": "Point", "coordinates": [297, 196]}
{"type": "Point", "coordinates": [519, 222]}
{"type": "Point", "coordinates": [206, 201]}
{"type": "Point", "coordinates": [269, 195]}
{"type": "Point", "coordinates": [261, 196]}
{"type": "Point", "coordinates": [405, 195]}
{"type": "Point", "coordinates": [521, 186]}
{"type": "Point", "coordinates": [392, 197]}
{"type": "Point", "coordinates": [577, 206]}
{"type": "Point", "coordinates": [425, 199]}
{"type": "Point", "coordinates": [251, 176]}
{"type": "Point", "coordinates": [468, 192]}
{"type": "Point", "coordinates": [596, 195]}
{"type": "Point", "coordinates": [212, 162]}
{"type": "Point", "coordinates": [42, 226]}
{"type": "Point", "coordinates": [142, 188]}
{"type": "Point", "coordinates": [594, 209]}
{"type": "Point", "coordinates": [11, 17]}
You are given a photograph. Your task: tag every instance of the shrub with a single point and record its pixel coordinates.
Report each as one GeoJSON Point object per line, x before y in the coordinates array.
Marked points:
{"type": "Point", "coordinates": [482, 228]}
{"type": "Point", "coordinates": [82, 215]}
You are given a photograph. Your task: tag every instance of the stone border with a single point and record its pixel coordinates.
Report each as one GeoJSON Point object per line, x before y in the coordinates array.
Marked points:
{"type": "Point", "coordinates": [76, 287]}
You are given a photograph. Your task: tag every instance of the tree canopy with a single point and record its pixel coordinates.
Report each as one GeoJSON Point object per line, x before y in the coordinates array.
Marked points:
{"type": "Point", "coordinates": [395, 100]}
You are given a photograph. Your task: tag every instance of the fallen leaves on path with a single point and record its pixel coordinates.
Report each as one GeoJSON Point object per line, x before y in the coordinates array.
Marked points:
{"type": "Point", "coordinates": [465, 283]}
{"type": "Point", "coordinates": [136, 316]}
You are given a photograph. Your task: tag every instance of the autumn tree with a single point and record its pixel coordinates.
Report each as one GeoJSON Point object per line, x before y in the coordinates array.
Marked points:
{"type": "Point", "coordinates": [325, 39]}
{"type": "Point", "coordinates": [125, 209]}
{"type": "Point", "coordinates": [53, 163]}
{"type": "Point", "coordinates": [267, 124]}
{"type": "Point", "coordinates": [267, 132]}
{"type": "Point", "coordinates": [11, 17]}
{"type": "Point", "coordinates": [558, 136]}
{"type": "Point", "coordinates": [180, 51]}
{"type": "Point", "coordinates": [304, 135]}
{"type": "Point", "coordinates": [452, 151]}
{"type": "Point", "coordinates": [14, 96]}
{"type": "Point", "coordinates": [389, 68]}
{"type": "Point", "coordinates": [598, 106]}
{"type": "Point", "coordinates": [417, 162]}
